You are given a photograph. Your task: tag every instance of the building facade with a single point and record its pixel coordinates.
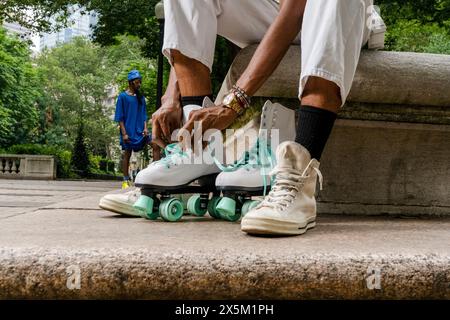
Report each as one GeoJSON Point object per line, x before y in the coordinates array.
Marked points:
{"type": "Point", "coordinates": [21, 32]}
{"type": "Point", "coordinates": [81, 25]}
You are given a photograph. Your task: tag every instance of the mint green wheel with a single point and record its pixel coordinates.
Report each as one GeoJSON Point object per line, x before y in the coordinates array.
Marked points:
{"type": "Point", "coordinates": [171, 210]}
{"type": "Point", "coordinates": [227, 209]}
{"type": "Point", "coordinates": [194, 207]}
{"type": "Point", "coordinates": [144, 206]}
{"type": "Point", "coordinates": [212, 204]}
{"type": "Point", "coordinates": [249, 205]}
{"type": "Point", "coordinates": [182, 198]}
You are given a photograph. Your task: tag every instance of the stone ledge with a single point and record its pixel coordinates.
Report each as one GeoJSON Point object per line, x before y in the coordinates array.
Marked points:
{"type": "Point", "coordinates": [382, 77]}
{"type": "Point", "coordinates": [143, 274]}
{"type": "Point", "coordinates": [202, 258]}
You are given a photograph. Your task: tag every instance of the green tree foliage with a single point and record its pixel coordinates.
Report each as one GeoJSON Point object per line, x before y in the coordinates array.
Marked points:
{"type": "Point", "coordinates": [34, 14]}
{"type": "Point", "coordinates": [19, 91]}
{"type": "Point", "coordinates": [424, 11]}
{"type": "Point", "coordinates": [75, 77]}
{"type": "Point", "coordinates": [127, 17]}
{"type": "Point", "coordinates": [419, 26]}
{"type": "Point", "coordinates": [131, 17]}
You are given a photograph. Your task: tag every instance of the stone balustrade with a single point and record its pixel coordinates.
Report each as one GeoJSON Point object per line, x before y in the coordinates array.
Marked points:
{"type": "Point", "coordinates": [27, 167]}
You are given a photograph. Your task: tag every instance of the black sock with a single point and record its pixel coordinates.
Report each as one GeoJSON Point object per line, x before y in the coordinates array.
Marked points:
{"type": "Point", "coordinates": [197, 100]}
{"type": "Point", "coordinates": [314, 128]}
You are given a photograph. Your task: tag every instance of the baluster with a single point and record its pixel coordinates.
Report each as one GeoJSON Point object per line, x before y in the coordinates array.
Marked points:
{"type": "Point", "coordinates": [17, 162]}
{"type": "Point", "coordinates": [8, 166]}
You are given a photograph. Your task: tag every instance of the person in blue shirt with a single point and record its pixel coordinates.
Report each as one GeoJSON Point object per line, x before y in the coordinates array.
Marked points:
{"type": "Point", "coordinates": [131, 114]}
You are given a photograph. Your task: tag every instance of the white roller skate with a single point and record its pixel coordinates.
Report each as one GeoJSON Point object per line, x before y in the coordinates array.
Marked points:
{"type": "Point", "coordinates": [290, 207]}
{"type": "Point", "coordinates": [180, 172]}
{"type": "Point", "coordinates": [250, 175]}
{"type": "Point", "coordinates": [123, 203]}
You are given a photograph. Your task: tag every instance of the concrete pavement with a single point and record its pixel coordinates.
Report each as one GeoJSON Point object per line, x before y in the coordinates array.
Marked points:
{"type": "Point", "coordinates": [53, 232]}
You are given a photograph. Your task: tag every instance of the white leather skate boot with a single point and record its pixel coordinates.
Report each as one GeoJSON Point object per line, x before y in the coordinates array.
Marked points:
{"type": "Point", "coordinates": [180, 172]}
{"type": "Point", "coordinates": [178, 167]}
{"type": "Point", "coordinates": [290, 207]}
{"type": "Point", "coordinates": [250, 176]}
{"type": "Point", "coordinates": [122, 203]}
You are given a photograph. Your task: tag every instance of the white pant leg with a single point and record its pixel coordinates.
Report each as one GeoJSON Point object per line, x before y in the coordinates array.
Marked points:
{"type": "Point", "coordinates": [333, 33]}
{"type": "Point", "coordinates": [191, 26]}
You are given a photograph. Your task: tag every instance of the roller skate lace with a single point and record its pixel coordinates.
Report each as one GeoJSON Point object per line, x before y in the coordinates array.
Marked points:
{"type": "Point", "coordinates": [133, 195]}
{"type": "Point", "coordinates": [174, 155]}
{"type": "Point", "coordinates": [260, 156]}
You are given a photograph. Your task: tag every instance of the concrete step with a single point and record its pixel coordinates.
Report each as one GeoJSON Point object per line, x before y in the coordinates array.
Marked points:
{"type": "Point", "coordinates": [44, 251]}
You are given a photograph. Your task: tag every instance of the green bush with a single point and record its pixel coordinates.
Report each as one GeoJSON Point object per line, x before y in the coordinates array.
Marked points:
{"type": "Point", "coordinates": [62, 157]}
{"type": "Point", "coordinates": [103, 165]}
{"type": "Point", "coordinates": [111, 166]}
{"type": "Point", "coordinates": [94, 161]}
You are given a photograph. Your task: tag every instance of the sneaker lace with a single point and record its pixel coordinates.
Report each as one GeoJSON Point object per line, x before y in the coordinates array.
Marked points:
{"type": "Point", "coordinates": [134, 194]}
{"type": "Point", "coordinates": [260, 156]}
{"type": "Point", "coordinates": [288, 183]}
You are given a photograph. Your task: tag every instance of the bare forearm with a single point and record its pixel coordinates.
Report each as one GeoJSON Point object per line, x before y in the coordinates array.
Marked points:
{"type": "Point", "coordinates": [274, 46]}
{"type": "Point", "coordinates": [173, 91]}
{"type": "Point", "coordinates": [122, 128]}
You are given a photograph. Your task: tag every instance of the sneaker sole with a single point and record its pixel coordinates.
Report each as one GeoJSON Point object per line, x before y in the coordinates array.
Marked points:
{"type": "Point", "coordinates": [273, 227]}
{"type": "Point", "coordinates": [117, 207]}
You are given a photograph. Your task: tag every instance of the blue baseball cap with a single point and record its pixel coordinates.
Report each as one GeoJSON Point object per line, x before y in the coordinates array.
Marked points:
{"type": "Point", "coordinates": [134, 74]}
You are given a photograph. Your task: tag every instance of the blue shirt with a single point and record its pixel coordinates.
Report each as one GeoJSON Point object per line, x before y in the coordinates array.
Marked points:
{"type": "Point", "coordinates": [133, 116]}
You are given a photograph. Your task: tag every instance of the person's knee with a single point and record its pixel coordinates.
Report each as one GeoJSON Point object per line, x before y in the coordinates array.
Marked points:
{"type": "Point", "coordinates": [322, 93]}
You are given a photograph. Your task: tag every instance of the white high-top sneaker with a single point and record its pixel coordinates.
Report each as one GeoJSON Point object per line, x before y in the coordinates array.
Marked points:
{"type": "Point", "coordinates": [121, 203]}
{"type": "Point", "coordinates": [290, 207]}
{"type": "Point", "coordinates": [251, 176]}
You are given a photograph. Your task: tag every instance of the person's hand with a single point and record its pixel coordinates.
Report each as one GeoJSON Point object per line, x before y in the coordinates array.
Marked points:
{"type": "Point", "coordinates": [145, 132]}
{"type": "Point", "coordinates": [217, 117]}
{"type": "Point", "coordinates": [165, 121]}
{"type": "Point", "coordinates": [126, 139]}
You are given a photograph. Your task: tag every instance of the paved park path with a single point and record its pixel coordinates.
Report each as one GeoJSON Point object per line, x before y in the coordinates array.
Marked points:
{"type": "Point", "coordinates": [49, 228]}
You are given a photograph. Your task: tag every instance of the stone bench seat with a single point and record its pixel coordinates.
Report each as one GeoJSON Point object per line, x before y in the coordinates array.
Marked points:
{"type": "Point", "coordinates": [389, 150]}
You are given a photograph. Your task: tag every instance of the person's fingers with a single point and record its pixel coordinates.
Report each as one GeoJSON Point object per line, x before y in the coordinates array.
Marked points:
{"type": "Point", "coordinates": [165, 130]}
{"type": "Point", "coordinates": [155, 127]}
{"type": "Point", "coordinates": [159, 142]}
{"type": "Point", "coordinates": [156, 135]}
{"type": "Point", "coordinates": [156, 152]}
{"type": "Point", "coordinates": [185, 132]}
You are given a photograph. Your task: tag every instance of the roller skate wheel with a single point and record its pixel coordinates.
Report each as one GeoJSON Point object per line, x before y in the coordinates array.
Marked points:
{"type": "Point", "coordinates": [193, 206]}
{"type": "Point", "coordinates": [144, 206]}
{"type": "Point", "coordinates": [227, 209]}
{"type": "Point", "coordinates": [212, 204]}
{"type": "Point", "coordinates": [171, 210]}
